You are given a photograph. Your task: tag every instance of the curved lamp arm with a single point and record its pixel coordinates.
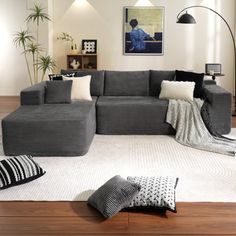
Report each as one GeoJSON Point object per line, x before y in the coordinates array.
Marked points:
{"type": "Point", "coordinates": [231, 33]}
{"type": "Point", "coordinates": [233, 38]}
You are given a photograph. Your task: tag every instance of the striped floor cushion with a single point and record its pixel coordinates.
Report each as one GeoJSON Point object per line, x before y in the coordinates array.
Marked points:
{"type": "Point", "coordinates": [18, 170]}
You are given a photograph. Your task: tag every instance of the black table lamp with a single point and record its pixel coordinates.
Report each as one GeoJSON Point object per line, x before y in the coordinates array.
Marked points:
{"type": "Point", "coordinates": [186, 18]}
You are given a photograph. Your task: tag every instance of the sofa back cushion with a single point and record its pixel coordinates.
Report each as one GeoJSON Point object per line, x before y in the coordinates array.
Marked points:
{"type": "Point", "coordinates": [156, 78]}
{"type": "Point", "coordinates": [192, 77]}
{"type": "Point", "coordinates": [127, 83]}
{"type": "Point", "coordinates": [97, 80]}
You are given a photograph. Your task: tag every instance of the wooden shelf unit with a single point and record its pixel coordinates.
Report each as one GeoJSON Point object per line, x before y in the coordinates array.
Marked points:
{"type": "Point", "coordinates": [86, 61]}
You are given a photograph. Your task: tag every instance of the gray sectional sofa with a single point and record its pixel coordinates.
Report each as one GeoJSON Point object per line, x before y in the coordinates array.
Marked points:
{"type": "Point", "coordinates": [123, 103]}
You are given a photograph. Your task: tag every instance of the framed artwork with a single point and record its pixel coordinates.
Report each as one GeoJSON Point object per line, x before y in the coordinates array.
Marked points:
{"type": "Point", "coordinates": [213, 68]}
{"type": "Point", "coordinates": [89, 46]}
{"type": "Point", "coordinates": [143, 30]}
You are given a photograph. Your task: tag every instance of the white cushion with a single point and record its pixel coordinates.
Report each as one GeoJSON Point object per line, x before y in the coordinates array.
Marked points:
{"type": "Point", "coordinates": [177, 90]}
{"type": "Point", "coordinates": [80, 87]}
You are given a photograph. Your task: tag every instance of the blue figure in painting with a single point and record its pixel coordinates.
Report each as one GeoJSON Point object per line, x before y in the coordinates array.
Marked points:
{"type": "Point", "coordinates": [137, 36]}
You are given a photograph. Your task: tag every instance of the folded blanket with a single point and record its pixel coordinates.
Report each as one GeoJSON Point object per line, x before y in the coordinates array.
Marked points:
{"type": "Point", "coordinates": [185, 118]}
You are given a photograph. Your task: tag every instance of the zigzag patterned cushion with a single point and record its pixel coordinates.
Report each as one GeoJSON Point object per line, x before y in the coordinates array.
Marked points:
{"type": "Point", "coordinates": [18, 170]}
{"type": "Point", "coordinates": [156, 193]}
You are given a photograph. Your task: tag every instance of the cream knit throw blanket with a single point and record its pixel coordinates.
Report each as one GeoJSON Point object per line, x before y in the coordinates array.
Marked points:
{"type": "Point", "coordinates": [185, 118]}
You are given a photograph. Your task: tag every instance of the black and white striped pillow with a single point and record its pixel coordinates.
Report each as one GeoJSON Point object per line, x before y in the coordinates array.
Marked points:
{"type": "Point", "coordinates": [18, 170]}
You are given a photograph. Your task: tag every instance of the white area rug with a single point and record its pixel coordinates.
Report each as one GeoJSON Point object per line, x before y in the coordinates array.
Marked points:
{"type": "Point", "coordinates": [203, 176]}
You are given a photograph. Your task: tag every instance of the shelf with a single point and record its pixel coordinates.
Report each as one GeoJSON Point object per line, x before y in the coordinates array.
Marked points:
{"type": "Point", "coordinates": [83, 61]}
{"type": "Point", "coordinates": [215, 75]}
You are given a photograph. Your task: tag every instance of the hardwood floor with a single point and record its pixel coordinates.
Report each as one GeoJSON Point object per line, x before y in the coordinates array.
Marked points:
{"type": "Point", "coordinates": [76, 218]}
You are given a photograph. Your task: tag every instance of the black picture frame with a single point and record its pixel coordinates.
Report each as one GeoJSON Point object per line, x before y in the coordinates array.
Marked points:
{"type": "Point", "coordinates": [216, 67]}
{"type": "Point", "coordinates": [90, 46]}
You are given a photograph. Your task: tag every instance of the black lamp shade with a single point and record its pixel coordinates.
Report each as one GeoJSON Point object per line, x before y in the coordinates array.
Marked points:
{"type": "Point", "coordinates": [186, 19]}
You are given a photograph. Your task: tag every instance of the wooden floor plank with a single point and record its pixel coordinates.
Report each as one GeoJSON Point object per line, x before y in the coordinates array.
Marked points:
{"type": "Point", "coordinates": [70, 209]}
{"type": "Point", "coordinates": [182, 225]}
{"type": "Point", "coordinates": [63, 225]}
{"type": "Point", "coordinates": [46, 209]}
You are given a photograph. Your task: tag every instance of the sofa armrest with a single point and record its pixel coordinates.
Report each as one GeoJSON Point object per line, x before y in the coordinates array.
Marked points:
{"type": "Point", "coordinates": [33, 95]}
{"type": "Point", "coordinates": [209, 82]}
{"type": "Point", "coordinates": [219, 102]}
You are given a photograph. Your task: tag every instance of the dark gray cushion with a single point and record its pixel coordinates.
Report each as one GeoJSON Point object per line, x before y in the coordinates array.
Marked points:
{"type": "Point", "coordinates": [157, 193]}
{"type": "Point", "coordinates": [33, 95]}
{"type": "Point", "coordinates": [58, 91]}
{"type": "Point", "coordinates": [126, 83]}
{"type": "Point", "coordinates": [114, 195]}
{"type": "Point", "coordinates": [209, 82]}
{"type": "Point", "coordinates": [156, 78]}
{"type": "Point", "coordinates": [50, 129]}
{"type": "Point", "coordinates": [132, 115]}
{"type": "Point", "coordinates": [97, 80]}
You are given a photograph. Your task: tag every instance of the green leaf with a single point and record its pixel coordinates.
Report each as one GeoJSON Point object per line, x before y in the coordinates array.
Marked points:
{"type": "Point", "coordinates": [46, 63]}
{"type": "Point", "coordinates": [38, 15]}
{"type": "Point", "coordinates": [22, 38]}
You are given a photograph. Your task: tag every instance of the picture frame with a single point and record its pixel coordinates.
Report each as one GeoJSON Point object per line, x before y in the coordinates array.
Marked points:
{"type": "Point", "coordinates": [143, 30]}
{"type": "Point", "coordinates": [89, 46]}
{"type": "Point", "coordinates": [213, 68]}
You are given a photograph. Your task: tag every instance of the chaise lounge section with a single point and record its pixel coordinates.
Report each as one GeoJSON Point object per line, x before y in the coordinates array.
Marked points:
{"type": "Point", "coordinates": [123, 103]}
{"type": "Point", "coordinates": [50, 129]}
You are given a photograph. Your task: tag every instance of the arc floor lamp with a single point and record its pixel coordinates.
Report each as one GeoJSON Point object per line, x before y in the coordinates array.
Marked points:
{"type": "Point", "coordinates": [186, 18]}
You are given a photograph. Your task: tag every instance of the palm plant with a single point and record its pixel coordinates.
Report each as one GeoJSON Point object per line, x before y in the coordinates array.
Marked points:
{"type": "Point", "coordinates": [46, 63]}
{"type": "Point", "coordinates": [38, 15]}
{"type": "Point", "coordinates": [21, 39]}
{"type": "Point", "coordinates": [33, 49]}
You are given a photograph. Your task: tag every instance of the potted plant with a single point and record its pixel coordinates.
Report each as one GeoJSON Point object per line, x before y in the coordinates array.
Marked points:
{"type": "Point", "coordinates": [31, 45]}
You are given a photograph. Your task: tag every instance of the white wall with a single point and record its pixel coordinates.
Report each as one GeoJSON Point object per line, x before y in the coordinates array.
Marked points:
{"type": "Point", "coordinates": [12, 66]}
{"type": "Point", "coordinates": [185, 46]}
{"type": "Point", "coordinates": [14, 76]}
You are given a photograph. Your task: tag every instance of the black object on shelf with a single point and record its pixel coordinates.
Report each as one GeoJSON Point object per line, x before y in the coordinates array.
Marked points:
{"type": "Point", "coordinates": [189, 19]}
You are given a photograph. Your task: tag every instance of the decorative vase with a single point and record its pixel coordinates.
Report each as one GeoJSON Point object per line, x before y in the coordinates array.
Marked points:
{"type": "Point", "coordinates": [75, 64]}
{"type": "Point", "coordinates": [74, 49]}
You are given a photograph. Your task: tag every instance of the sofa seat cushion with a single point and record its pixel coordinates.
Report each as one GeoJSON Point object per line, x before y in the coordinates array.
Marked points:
{"type": "Point", "coordinates": [50, 129]}
{"type": "Point", "coordinates": [132, 115]}
{"type": "Point", "coordinates": [127, 83]}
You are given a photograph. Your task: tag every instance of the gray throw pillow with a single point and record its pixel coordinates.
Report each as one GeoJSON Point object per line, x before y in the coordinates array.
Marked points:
{"type": "Point", "coordinates": [58, 92]}
{"type": "Point", "coordinates": [114, 195]}
{"type": "Point", "coordinates": [156, 193]}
